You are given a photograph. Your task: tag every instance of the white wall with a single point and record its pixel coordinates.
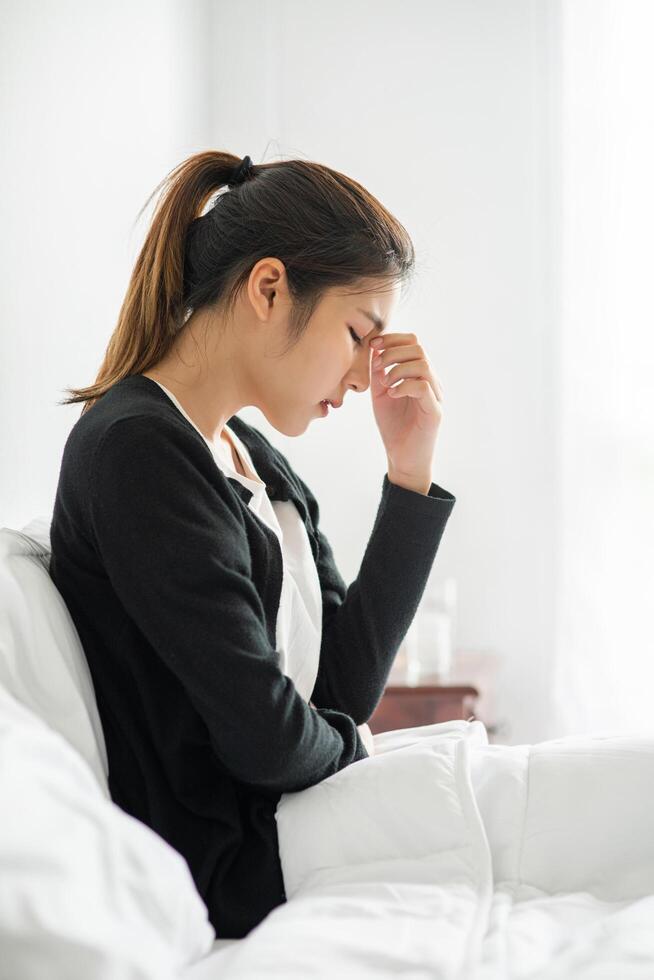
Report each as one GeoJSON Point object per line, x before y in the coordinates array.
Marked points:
{"type": "Point", "coordinates": [604, 645]}
{"type": "Point", "coordinates": [97, 103]}
{"type": "Point", "coordinates": [447, 112]}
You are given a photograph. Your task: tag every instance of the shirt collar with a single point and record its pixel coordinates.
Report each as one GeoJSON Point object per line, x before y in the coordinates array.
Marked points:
{"type": "Point", "coordinates": [280, 479]}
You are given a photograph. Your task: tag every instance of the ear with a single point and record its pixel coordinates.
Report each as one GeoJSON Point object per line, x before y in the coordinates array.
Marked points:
{"type": "Point", "coordinates": [268, 287]}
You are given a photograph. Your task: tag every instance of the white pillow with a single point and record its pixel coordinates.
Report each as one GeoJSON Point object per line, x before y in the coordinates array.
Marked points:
{"type": "Point", "coordinates": [42, 662]}
{"type": "Point", "coordinates": [86, 890]}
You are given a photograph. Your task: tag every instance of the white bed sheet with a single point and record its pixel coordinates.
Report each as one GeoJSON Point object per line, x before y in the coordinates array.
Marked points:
{"type": "Point", "coordinates": [443, 856]}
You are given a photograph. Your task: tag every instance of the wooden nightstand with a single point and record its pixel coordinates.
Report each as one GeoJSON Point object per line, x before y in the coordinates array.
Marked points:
{"type": "Point", "coordinates": [467, 691]}
{"type": "Point", "coordinates": [404, 706]}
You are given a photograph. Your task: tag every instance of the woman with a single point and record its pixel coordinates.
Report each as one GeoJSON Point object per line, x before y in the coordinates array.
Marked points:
{"type": "Point", "coordinates": [231, 663]}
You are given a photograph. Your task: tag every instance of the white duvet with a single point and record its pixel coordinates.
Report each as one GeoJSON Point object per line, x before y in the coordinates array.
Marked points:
{"type": "Point", "coordinates": [442, 856]}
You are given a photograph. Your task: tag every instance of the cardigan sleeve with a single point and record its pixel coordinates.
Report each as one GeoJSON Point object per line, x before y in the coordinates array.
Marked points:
{"type": "Point", "coordinates": [364, 623]}
{"type": "Point", "coordinates": [177, 556]}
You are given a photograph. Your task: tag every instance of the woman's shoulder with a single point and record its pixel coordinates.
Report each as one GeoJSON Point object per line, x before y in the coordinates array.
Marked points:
{"type": "Point", "coordinates": [135, 411]}
{"type": "Point", "coordinates": [131, 396]}
{"type": "Point", "coordinates": [137, 401]}
{"type": "Point", "coordinates": [133, 420]}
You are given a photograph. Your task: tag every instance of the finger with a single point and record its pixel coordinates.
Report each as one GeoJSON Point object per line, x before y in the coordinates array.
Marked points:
{"type": "Point", "coordinates": [421, 391]}
{"type": "Point", "coordinates": [415, 369]}
{"type": "Point", "coordinates": [393, 340]}
{"type": "Point", "coordinates": [418, 388]}
{"type": "Point", "coordinates": [377, 375]}
{"type": "Point", "coordinates": [409, 369]}
{"type": "Point", "coordinates": [411, 388]}
{"type": "Point", "coordinates": [402, 353]}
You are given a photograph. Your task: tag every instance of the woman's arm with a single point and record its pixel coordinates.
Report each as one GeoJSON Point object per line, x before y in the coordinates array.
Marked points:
{"type": "Point", "coordinates": [364, 623]}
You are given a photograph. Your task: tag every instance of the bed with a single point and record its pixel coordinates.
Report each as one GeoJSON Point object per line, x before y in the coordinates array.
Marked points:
{"type": "Point", "coordinates": [440, 856]}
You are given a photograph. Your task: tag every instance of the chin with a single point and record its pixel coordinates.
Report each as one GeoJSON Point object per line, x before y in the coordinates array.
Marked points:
{"type": "Point", "coordinates": [292, 430]}
{"type": "Point", "coordinates": [289, 427]}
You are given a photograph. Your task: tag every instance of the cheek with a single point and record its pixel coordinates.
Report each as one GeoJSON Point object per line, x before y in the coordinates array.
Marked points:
{"type": "Point", "coordinates": [333, 360]}
{"type": "Point", "coordinates": [320, 369]}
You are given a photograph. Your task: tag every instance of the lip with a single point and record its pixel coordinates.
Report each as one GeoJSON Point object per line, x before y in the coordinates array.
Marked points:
{"type": "Point", "coordinates": [335, 404]}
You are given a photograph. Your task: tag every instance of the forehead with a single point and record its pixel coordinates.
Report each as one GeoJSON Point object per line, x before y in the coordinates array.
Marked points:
{"type": "Point", "coordinates": [379, 325]}
{"type": "Point", "coordinates": [373, 305]}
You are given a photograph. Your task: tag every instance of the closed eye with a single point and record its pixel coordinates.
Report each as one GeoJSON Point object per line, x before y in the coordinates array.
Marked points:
{"type": "Point", "coordinates": [355, 336]}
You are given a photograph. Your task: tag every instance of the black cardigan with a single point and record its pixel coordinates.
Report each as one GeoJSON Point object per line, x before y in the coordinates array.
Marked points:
{"type": "Point", "coordinates": [173, 584]}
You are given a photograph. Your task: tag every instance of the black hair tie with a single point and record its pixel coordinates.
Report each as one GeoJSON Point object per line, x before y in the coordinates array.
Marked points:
{"type": "Point", "coordinates": [241, 173]}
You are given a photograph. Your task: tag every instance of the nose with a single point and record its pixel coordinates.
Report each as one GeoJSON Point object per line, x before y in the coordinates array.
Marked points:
{"type": "Point", "coordinates": [361, 375]}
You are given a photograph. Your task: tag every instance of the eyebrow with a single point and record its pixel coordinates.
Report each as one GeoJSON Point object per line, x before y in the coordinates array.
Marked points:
{"type": "Point", "coordinates": [379, 323]}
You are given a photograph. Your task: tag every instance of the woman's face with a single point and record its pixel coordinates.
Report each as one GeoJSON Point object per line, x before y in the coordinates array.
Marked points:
{"type": "Point", "coordinates": [331, 358]}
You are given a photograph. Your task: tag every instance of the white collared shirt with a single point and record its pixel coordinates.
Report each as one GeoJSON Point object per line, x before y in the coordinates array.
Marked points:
{"type": "Point", "coordinates": [299, 616]}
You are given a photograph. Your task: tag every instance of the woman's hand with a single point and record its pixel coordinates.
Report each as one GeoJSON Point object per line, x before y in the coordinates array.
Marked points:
{"type": "Point", "coordinates": [367, 738]}
{"type": "Point", "coordinates": [409, 415]}
{"type": "Point", "coordinates": [364, 732]}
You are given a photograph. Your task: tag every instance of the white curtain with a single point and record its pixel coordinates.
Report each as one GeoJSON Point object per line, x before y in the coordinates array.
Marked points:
{"type": "Point", "coordinates": [603, 660]}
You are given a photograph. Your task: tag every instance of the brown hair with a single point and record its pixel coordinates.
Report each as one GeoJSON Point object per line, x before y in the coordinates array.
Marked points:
{"type": "Point", "coordinates": [325, 227]}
